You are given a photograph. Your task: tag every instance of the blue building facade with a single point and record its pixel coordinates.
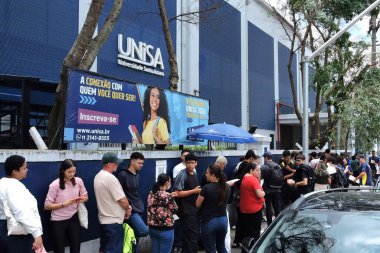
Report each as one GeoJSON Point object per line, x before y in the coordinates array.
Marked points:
{"type": "Point", "coordinates": [235, 56]}
{"type": "Point", "coordinates": [261, 78]}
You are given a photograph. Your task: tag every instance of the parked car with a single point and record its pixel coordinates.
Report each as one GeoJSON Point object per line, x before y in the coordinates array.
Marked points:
{"type": "Point", "coordinates": [339, 220]}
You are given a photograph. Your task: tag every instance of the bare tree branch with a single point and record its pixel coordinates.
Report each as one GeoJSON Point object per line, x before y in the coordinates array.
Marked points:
{"type": "Point", "coordinates": [97, 43]}
{"type": "Point", "coordinates": [81, 55]}
{"type": "Point", "coordinates": [173, 76]}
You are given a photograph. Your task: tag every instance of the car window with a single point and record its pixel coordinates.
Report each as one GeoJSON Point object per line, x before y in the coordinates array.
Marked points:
{"type": "Point", "coordinates": [323, 231]}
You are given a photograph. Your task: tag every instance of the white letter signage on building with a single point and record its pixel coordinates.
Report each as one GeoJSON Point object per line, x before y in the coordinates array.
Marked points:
{"type": "Point", "coordinates": [139, 56]}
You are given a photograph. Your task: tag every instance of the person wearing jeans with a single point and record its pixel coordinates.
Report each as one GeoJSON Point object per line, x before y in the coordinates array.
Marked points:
{"type": "Point", "coordinates": [212, 202]}
{"type": "Point", "coordinates": [112, 205]}
{"type": "Point", "coordinates": [129, 180]}
{"type": "Point", "coordinates": [138, 225]}
{"type": "Point", "coordinates": [161, 208]}
{"type": "Point", "coordinates": [214, 233]}
{"type": "Point", "coordinates": [111, 237]}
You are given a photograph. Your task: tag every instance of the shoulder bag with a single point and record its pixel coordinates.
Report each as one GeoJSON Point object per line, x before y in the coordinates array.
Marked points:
{"type": "Point", "coordinates": [83, 215]}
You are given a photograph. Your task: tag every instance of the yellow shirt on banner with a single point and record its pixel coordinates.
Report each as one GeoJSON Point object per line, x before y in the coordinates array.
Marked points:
{"type": "Point", "coordinates": [162, 131]}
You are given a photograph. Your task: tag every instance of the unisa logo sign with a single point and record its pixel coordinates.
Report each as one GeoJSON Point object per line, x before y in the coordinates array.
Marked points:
{"type": "Point", "coordinates": [140, 56]}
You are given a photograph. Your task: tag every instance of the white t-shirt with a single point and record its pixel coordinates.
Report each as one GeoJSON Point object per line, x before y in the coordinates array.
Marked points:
{"type": "Point", "coordinates": [178, 168]}
{"type": "Point", "coordinates": [107, 192]}
{"type": "Point", "coordinates": [22, 204]}
{"type": "Point", "coordinates": [313, 163]}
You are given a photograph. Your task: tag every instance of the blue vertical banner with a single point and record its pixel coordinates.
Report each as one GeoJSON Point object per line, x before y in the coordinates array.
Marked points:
{"type": "Point", "coordinates": [100, 109]}
{"type": "Point", "coordinates": [103, 109]}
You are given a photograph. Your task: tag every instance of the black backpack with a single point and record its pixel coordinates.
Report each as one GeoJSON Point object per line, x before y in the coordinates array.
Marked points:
{"type": "Point", "coordinates": [342, 180]}
{"type": "Point", "coordinates": [311, 177]}
{"type": "Point", "coordinates": [276, 177]}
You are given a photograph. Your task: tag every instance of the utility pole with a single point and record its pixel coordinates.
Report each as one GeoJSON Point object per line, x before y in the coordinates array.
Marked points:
{"type": "Point", "coordinates": [373, 27]}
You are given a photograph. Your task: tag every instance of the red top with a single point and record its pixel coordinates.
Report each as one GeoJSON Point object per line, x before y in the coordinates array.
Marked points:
{"type": "Point", "coordinates": [249, 202]}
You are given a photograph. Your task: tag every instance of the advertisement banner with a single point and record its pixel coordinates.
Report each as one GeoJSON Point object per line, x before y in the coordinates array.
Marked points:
{"type": "Point", "coordinates": [102, 109]}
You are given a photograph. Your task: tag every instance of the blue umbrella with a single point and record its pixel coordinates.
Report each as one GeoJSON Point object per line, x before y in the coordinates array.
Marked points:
{"type": "Point", "coordinates": [222, 132]}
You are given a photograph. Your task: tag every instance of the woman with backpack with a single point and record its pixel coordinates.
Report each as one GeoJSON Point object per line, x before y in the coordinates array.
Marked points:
{"type": "Point", "coordinates": [338, 179]}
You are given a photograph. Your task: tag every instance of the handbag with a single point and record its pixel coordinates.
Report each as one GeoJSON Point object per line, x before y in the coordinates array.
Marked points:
{"type": "Point", "coordinates": [83, 215]}
{"type": "Point", "coordinates": [14, 227]}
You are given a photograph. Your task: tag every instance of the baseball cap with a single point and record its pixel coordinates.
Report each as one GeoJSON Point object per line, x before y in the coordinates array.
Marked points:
{"type": "Point", "coordinates": [111, 157]}
{"type": "Point", "coordinates": [267, 154]}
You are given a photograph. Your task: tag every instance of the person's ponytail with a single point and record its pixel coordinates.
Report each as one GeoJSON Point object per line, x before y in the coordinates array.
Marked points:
{"type": "Point", "coordinates": [156, 187]}
{"type": "Point", "coordinates": [161, 181]}
{"type": "Point", "coordinates": [222, 186]}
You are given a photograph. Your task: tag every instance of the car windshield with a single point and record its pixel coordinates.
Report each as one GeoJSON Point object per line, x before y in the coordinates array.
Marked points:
{"type": "Point", "coordinates": [325, 230]}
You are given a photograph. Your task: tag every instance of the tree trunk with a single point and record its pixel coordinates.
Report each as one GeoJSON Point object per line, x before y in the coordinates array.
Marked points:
{"type": "Point", "coordinates": [81, 55]}
{"type": "Point", "coordinates": [173, 76]}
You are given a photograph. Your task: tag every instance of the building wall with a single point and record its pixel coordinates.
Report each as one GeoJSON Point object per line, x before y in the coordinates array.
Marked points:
{"type": "Point", "coordinates": [38, 34]}
{"type": "Point", "coordinates": [220, 64]}
{"type": "Point", "coordinates": [35, 36]}
{"type": "Point", "coordinates": [285, 91]}
{"type": "Point", "coordinates": [261, 79]}
{"type": "Point", "coordinates": [139, 20]}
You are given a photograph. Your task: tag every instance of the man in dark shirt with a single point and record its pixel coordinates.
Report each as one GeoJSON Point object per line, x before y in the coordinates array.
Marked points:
{"type": "Point", "coordinates": [187, 189]}
{"type": "Point", "coordinates": [355, 166]}
{"type": "Point", "coordinates": [300, 179]}
{"type": "Point", "coordinates": [273, 177]}
{"type": "Point", "coordinates": [374, 163]}
{"type": "Point", "coordinates": [288, 169]}
{"type": "Point", "coordinates": [129, 180]}
{"type": "Point", "coordinates": [365, 176]}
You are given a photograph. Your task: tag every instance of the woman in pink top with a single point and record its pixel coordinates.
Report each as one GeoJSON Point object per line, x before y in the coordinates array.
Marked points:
{"type": "Point", "coordinates": [251, 202]}
{"type": "Point", "coordinates": [62, 199]}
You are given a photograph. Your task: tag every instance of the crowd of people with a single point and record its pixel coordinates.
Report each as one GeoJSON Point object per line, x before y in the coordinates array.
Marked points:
{"type": "Point", "coordinates": [275, 185]}
{"type": "Point", "coordinates": [118, 201]}
{"type": "Point", "coordinates": [182, 212]}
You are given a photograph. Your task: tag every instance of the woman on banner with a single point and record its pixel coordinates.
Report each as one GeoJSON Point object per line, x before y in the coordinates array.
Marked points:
{"type": "Point", "coordinates": [156, 122]}
{"type": "Point", "coordinates": [62, 199]}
